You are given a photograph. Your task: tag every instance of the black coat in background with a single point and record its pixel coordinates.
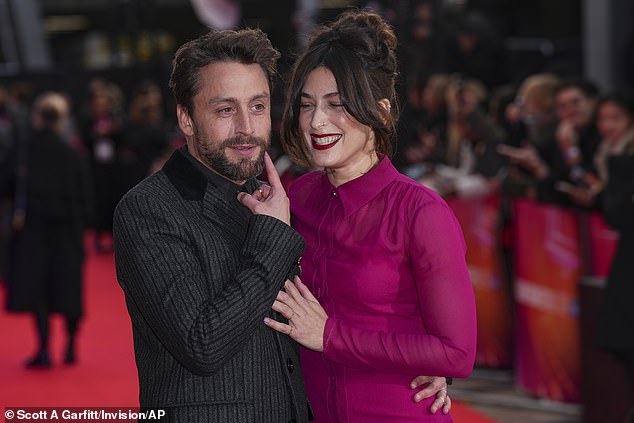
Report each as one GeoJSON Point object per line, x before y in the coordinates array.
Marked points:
{"type": "Point", "coordinates": [616, 327]}
{"type": "Point", "coordinates": [47, 254]}
{"type": "Point", "coordinates": [142, 145]}
{"type": "Point", "coordinates": [200, 273]}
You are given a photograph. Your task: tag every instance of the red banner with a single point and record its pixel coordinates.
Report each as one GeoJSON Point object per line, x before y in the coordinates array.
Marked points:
{"type": "Point", "coordinates": [478, 218]}
{"type": "Point", "coordinates": [603, 242]}
{"type": "Point", "coordinates": [548, 269]}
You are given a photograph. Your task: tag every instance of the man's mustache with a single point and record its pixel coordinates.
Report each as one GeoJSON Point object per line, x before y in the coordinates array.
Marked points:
{"type": "Point", "coordinates": [259, 141]}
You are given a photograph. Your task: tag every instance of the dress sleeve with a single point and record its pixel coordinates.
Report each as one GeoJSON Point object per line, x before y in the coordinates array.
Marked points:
{"type": "Point", "coordinates": [446, 347]}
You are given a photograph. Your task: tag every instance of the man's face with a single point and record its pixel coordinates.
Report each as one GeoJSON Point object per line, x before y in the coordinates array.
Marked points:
{"type": "Point", "coordinates": [230, 128]}
{"type": "Point", "coordinates": [575, 106]}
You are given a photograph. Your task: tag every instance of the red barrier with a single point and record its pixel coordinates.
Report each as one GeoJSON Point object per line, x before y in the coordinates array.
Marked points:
{"type": "Point", "coordinates": [478, 218]}
{"type": "Point", "coordinates": [548, 269]}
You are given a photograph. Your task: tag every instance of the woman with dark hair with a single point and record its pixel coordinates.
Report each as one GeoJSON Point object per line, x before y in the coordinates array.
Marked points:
{"type": "Point", "coordinates": [387, 294]}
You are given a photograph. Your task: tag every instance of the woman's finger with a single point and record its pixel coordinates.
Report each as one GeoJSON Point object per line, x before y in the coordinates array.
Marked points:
{"type": "Point", "coordinates": [447, 407]}
{"type": "Point", "coordinates": [295, 295]}
{"type": "Point", "coordinates": [283, 309]}
{"type": "Point", "coordinates": [278, 326]}
{"type": "Point", "coordinates": [304, 290]}
{"type": "Point", "coordinates": [440, 401]}
{"type": "Point", "coordinates": [420, 380]}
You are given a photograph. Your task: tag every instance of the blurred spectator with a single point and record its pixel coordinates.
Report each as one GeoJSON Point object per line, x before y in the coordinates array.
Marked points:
{"type": "Point", "coordinates": [420, 143]}
{"type": "Point", "coordinates": [421, 52]}
{"type": "Point", "coordinates": [535, 103]}
{"type": "Point", "coordinates": [616, 114]}
{"type": "Point", "coordinates": [506, 114]}
{"type": "Point", "coordinates": [477, 50]}
{"type": "Point", "coordinates": [570, 157]}
{"type": "Point", "coordinates": [7, 142]}
{"type": "Point", "coordinates": [145, 136]}
{"type": "Point", "coordinates": [7, 130]}
{"type": "Point", "coordinates": [45, 268]}
{"type": "Point", "coordinates": [470, 156]}
{"type": "Point", "coordinates": [565, 157]}
{"type": "Point", "coordinates": [615, 124]}
{"type": "Point", "coordinates": [18, 105]}
{"type": "Point", "coordinates": [101, 133]}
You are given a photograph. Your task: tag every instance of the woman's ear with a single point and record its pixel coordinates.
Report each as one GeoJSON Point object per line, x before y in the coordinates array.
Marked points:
{"type": "Point", "coordinates": [385, 108]}
{"type": "Point", "coordinates": [184, 121]}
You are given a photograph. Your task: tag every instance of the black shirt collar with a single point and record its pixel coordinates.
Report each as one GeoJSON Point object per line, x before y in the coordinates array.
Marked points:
{"type": "Point", "coordinates": [192, 178]}
{"type": "Point", "coordinates": [228, 188]}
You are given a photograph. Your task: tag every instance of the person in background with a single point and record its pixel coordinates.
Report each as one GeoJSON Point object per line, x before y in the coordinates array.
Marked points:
{"type": "Point", "coordinates": [615, 163]}
{"type": "Point", "coordinates": [101, 134]}
{"type": "Point", "coordinates": [567, 155]}
{"type": "Point", "coordinates": [426, 147]}
{"type": "Point", "coordinates": [471, 163]}
{"type": "Point", "coordinates": [144, 138]}
{"type": "Point", "coordinates": [386, 293]}
{"type": "Point", "coordinates": [615, 125]}
{"type": "Point", "coordinates": [535, 103]}
{"type": "Point", "coordinates": [52, 208]}
{"type": "Point", "coordinates": [8, 137]}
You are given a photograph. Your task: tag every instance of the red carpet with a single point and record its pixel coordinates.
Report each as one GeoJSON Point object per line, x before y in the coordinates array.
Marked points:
{"type": "Point", "coordinates": [105, 375]}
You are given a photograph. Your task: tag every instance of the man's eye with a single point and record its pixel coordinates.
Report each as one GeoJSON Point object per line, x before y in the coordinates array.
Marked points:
{"type": "Point", "coordinates": [259, 107]}
{"type": "Point", "coordinates": [225, 110]}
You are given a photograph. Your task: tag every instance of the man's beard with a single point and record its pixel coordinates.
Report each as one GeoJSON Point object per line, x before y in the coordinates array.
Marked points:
{"type": "Point", "coordinates": [214, 157]}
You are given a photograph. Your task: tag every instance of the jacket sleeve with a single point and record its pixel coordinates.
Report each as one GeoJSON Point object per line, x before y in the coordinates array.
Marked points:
{"type": "Point", "coordinates": [160, 268]}
{"type": "Point", "coordinates": [446, 345]}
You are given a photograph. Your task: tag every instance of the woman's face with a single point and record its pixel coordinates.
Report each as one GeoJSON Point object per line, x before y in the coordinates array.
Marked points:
{"type": "Point", "coordinates": [335, 139]}
{"type": "Point", "coordinates": [612, 121]}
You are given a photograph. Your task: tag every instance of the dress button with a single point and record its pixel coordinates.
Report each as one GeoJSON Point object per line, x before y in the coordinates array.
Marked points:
{"type": "Point", "coordinates": [333, 193]}
{"type": "Point", "coordinates": [290, 365]}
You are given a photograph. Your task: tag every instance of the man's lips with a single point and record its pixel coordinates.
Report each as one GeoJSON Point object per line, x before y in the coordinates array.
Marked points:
{"type": "Point", "coordinates": [244, 149]}
{"type": "Point", "coordinates": [324, 141]}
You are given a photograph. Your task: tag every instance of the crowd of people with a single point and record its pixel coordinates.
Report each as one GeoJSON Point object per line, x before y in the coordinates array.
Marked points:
{"type": "Point", "coordinates": [463, 131]}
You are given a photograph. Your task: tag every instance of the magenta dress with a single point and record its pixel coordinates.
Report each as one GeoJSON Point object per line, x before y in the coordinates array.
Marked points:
{"type": "Point", "coordinates": [385, 256]}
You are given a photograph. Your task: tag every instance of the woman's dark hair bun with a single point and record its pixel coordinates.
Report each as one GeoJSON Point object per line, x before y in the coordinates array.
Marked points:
{"type": "Point", "coordinates": [366, 34]}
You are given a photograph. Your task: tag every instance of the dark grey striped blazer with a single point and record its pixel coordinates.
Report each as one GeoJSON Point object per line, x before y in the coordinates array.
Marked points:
{"type": "Point", "coordinates": [199, 275]}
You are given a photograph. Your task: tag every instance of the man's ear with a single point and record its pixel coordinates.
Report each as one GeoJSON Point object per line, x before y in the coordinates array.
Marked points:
{"type": "Point", "coordinates": [184, 121]}
{"type": "Point", "coordinates": [385, 108]}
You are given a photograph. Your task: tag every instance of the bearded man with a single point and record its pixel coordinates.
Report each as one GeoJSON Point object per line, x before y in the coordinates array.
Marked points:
{"type": "Point", "coordinates": [200, 270]}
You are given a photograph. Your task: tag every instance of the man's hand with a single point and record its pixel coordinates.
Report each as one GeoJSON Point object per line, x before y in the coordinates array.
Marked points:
{"type": "Point", "coordinates": [435, 386]}
{"type": "Point", "coordinates": [271, 201]}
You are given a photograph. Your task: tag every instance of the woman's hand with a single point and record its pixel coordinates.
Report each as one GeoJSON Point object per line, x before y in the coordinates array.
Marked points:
{"type": "Point", "coordinates": [306, 317]}
{"type": "Point", "coordinates": [434, 385]}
